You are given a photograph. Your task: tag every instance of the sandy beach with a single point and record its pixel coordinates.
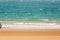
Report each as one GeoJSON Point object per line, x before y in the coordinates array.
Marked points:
{"type": "Point", "coordinates": [8, 34]}
{"type": "Point", "coordinates": [30, 31]}
{"type": "Point", "coordinates": [29, 19]}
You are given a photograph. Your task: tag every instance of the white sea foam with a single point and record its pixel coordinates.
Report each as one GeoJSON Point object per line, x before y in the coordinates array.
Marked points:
{"type": "Point", "coordinates": [32, 26]}
{"type": "Point", "coordinates": [45, 19]}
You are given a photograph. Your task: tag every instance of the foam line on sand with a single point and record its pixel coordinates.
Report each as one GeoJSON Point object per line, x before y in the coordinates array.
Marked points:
{"type": "Point", "coordinates": [32, 26]}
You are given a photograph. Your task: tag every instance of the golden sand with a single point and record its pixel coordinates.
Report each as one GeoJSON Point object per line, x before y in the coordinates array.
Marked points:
{"type": "Point", "coordinates": [9, 34]}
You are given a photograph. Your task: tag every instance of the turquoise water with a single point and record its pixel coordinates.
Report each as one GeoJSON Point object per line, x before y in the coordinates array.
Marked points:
{"type": "Point", "coordinates": [29, 11]}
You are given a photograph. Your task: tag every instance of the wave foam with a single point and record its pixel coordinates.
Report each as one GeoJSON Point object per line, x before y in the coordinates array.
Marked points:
{"type": "Point", "coordinates": [32, 26]}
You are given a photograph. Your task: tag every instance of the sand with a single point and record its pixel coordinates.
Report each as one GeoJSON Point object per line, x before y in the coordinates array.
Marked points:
{"type": "Point", "coordinates": [30, 38]}
{"type": "Point", "coordinates": [20, 31]}
{"type": "Point", "coordinates": [8, 34]}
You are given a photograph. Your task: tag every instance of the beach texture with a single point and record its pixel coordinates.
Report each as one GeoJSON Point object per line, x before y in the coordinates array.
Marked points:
{"type": "Point", "coordinates": [8, 34]}
{"type": "Point", "coordinates": [30, 31]}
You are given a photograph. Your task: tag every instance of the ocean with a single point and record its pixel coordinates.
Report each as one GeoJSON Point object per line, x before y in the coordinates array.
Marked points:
{"type": "Point", "coordinates": [30, 11]}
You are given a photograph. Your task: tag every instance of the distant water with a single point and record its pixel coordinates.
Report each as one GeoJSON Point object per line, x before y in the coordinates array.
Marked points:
{"type": "Point", "coordinates": [29, 11]}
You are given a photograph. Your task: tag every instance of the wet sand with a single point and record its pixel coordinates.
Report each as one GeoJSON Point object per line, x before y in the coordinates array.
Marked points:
{"type": "Point", "coordinates": [35, 32]}
{"type": "Point", "coordinates": [13, 34]}
{"type": "Point", "coordinates": [30, 38]}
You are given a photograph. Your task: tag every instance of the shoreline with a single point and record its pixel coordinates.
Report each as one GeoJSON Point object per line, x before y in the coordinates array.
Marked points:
{"type": "Point", "coordinates": [28, 25]}
{"type": "Point", "coordinates": [8, 22]}
{"type": "Point", "coordinates": [22, 25]}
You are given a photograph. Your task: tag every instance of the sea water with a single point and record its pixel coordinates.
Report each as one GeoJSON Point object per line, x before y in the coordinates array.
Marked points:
{"type": "Point", "coordinates": [29, 11]}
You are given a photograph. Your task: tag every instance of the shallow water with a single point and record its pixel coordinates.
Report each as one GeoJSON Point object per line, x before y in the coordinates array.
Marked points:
{"type": "Point", "coordinates": [29, 11]}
